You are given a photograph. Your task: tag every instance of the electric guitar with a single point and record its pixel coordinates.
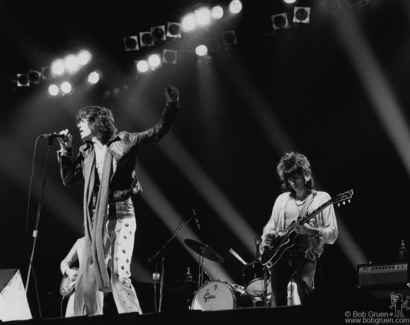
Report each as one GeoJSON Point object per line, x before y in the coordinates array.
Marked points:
{"type": "Point", "coordinates": [286, 238]}
{"type": "Point", "coordinates": [67, 286]}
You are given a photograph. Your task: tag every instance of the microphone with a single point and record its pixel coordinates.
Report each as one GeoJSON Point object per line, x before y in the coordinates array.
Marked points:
{"type": "Point", "coordinates": [53, 135]}
{"type": "Point", "coordinates": [196, 219]}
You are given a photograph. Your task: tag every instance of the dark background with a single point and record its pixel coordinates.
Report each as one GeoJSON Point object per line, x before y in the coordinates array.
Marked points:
{"type": "Point", "coordinates": [297, 89]}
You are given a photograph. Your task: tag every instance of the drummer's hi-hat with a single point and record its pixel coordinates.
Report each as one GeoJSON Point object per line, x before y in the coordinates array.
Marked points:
{"type": "Point", "coordinates": [204, 250]}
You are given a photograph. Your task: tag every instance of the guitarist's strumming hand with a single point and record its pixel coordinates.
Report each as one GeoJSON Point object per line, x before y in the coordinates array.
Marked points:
{"type": "Point", "coordinates": [72, 274]}
{"type": "Point", "coordinates": [305, 229]}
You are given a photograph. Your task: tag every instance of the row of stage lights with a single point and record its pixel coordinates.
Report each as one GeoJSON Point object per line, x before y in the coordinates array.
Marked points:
{"type": "Point", "coordinates": [72, 63]}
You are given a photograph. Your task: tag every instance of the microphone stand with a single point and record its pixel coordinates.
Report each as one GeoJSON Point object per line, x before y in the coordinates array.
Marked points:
{"type": "Point", "coordinates": [162, 251]}
{"type": "Point", "coordinates": [35, 232]}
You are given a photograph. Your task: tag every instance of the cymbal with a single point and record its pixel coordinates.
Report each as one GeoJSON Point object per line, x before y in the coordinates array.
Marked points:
{"type": "Point", "coordinates": [204, 250]}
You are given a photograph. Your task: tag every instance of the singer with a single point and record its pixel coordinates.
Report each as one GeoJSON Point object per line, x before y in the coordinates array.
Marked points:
{"type": "Point", "coordinates": [106, 162]}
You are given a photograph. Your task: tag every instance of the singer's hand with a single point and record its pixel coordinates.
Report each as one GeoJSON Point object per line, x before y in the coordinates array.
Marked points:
{"type": "Point", "coordinates": [172, 94]}
{"type": "Point", "coordinates": [72, 274]}
{"type": "Point", "coordinates": [66, 142]}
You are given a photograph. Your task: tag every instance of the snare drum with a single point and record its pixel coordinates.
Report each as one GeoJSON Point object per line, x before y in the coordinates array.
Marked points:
{"type": "Point", "coordinates": [220, 295]}
{"type": "Point", "coordinates": [253, 279]}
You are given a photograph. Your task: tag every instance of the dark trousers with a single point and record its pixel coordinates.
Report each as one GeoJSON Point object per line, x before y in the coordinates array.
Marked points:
{"type": "Point", "coordinates": [293, 267]}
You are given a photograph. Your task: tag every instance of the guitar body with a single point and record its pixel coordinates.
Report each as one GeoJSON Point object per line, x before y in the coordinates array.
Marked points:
{"type": "Point", "coordinates": [272, 254]}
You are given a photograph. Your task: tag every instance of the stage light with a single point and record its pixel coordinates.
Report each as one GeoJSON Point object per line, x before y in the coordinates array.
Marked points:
{"type": "Point", "coordinates": [217, 12]}
{"type": "Point", "coordinates": [280, 21]}
{"type": "Point", "coordinates": [169, 56]}
{"type": "Point", "coordinates": [235, 6]}
{"type": "Point", "coordinates": [83, 57]}
{"type": "Point", "coordinates": [53, 90]}
{"type": "Point", "coordinates": [131, 43]}
{"type": "Point", "coordinates": [93, 77]}
{"type": "Point", "coordinates": [146, 39]}
{"type": "Point", "coordinates": [158, 33]}
{"type": "Point", "coordinates": [289, 1]}
{"type": "Point", "coordinates": [229, 38]}
{"type": "Point", "coordinates": [301, 15]}
{"type": "Point", "coordinates": [57, 67]}
{"type": "Point", "coordinates": [203, 16]}
{"type": "Point", "coordinates": [34, 76]}
{"type": "Point", "coordinates": [201, 50]}
{"type": "Point", "coordinates": [46, 73]}
{"type": "Point", "coordinates": [66, 87]}
{"type": "Point", "coordinates": [70, 63]}
{"type": "Point", "coordinates": [22, 80]}
{"type": "Point", "coordinates": [188, 22]}
{"type": "Point", "coordinates": [154, 60]}
{"type": "Point", "coordinates": [174, 30]}
{"type": "Point", "coordinates": [142, 66]}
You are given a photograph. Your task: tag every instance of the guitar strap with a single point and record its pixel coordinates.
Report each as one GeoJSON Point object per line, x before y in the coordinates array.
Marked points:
{"type": "Point", "coordinates": [307, 204]}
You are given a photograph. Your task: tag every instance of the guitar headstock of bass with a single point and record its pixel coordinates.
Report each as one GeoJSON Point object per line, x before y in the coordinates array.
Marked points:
{"type": "Point", "coordinates": [342, 198]}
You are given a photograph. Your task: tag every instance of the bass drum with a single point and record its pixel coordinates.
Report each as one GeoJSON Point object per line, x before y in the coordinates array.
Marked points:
{"type": "Point", "coordinates": [253, 279]}
{"type": "Point", "coordinates": [220, 295]}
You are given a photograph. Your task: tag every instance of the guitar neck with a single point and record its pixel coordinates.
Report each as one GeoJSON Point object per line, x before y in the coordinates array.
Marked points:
{"type": "Point", "coordinates": [315, 212]}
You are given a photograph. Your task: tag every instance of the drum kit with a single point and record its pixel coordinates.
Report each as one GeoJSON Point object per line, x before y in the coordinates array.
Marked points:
{"type": "Point", "coordinates": [221, 295]}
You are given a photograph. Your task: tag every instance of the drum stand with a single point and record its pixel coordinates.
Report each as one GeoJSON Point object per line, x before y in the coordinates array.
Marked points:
{"type": "Point", "coordinates": [201, 267]}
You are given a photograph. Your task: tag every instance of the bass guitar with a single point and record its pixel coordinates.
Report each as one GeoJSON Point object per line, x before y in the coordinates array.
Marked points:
{"type": "Point", "coordinates": [285, 239]}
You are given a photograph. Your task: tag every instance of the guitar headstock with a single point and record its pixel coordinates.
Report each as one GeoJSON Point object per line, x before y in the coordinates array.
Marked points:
{"type": "Point", "coordinates": [342, 198]}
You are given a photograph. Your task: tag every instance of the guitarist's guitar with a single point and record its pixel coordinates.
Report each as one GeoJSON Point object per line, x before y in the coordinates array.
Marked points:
{"type": "Point", "coordinates": [285, 239]}
{"type": "Point", "coordinates": [67, 286]}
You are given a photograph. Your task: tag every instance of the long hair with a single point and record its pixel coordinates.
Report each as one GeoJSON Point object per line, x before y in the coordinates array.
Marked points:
{"type": "Point", "coordinates": [291, 164]}
{"type": "Point", "coordinates": [101, 121]}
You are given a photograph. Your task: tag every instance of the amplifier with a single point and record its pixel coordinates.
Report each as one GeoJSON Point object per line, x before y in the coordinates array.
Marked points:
{"type": "Point", "coordinates": [375, 275]}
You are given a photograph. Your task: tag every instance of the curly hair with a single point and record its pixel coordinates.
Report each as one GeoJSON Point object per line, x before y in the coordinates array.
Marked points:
{"type": "Point", "coordinates": [101, 121]}
{"type": "Point", "coordinates": [292, 164]}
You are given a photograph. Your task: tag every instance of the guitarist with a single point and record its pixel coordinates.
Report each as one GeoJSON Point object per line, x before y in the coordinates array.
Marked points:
{"type": "Point", "coordinates": [70, 276]}
{"type": "Point", "coordinates": [298, 261]}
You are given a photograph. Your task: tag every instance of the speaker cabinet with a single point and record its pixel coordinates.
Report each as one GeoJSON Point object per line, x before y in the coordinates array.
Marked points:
{"type": "Point", "coordinates": [13, 300]}
{"type": "Point", "coordinates": [379, 275]}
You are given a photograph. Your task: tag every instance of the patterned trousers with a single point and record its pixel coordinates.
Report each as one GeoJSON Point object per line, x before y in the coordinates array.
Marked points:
{"type": "Point", "coordinates": [118, 248]}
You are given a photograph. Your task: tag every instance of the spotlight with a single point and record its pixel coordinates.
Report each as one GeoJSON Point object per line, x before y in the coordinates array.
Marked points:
{"type": "Point", "coordinates": [146, 39]}
{"type": "Point", "coordinates": [235, 6]}
{"type": "Point", "coordinates": [301, 15]}
{"type": "Point", "coordinates": [289, 1]}
{"type": "Point", "coordinates": [217, 12]}
{"type": "Point", "coordinates": [47, 73]}
{"type": "Point", "coordinates": [53, 90]}
{"type": "Point", "coordinates": [93, 77]}
{"type": "Point", "coordinates": [280, 21]}
{"type": "Point", "coordinates": [83, 57]}
{"type": "Point", "coordinates": [203, 16]}
{"type": "Point", "coordinates": [174, 30]}
{"type": "Point", "coordinates": [201, 50]}
{"type": "Point", "coordinates": [154, 60]}
{"type": "Point", "coordinates": [188, 22]}
{"type": "Point", "coordinates": [131, 43]}
{"type": "Point", "coordinates": [229, 38]}
{"type": "Point", "coordinates": [34, 76]}
{"type": "Point", "coordinates": [58, 67]}
{"type": "Point", "coordinates": [169, 56]}
{"type": "Point", "coordinates": [70, 63]}
{"type": "Point", "coordinates": [142, 66]}
{"type": "Point", "coordinates": [158, 33]}
{"type": "Point", "coordinates": [66, 87]}
{"type": "Point", "coordinates": [22, 80]}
